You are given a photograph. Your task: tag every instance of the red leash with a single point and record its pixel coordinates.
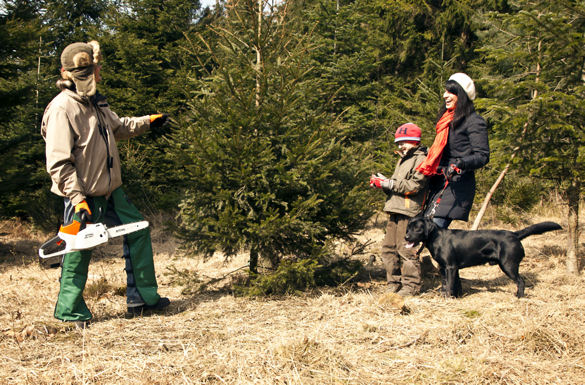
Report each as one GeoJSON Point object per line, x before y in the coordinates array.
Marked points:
{"type": "Point", "coordinates": [438, 200]}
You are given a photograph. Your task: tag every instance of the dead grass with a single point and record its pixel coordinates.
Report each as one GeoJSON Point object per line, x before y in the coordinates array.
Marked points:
{"type": "Point", "coordinates": [351, 335]}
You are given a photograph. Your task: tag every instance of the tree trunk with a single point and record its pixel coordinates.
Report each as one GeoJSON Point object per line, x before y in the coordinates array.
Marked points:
{"type": "Point", "coordinates": [488, 197]}
{"type": "Point", "coordinates": [573, 263]}
{"type": "Point", "coordinates": [336, 26]}
{"type": "Point", "coordinates": [38, 79]}
{"type": "Point", "coordinates": [259, 53]}
{"type": "Point", "coordinates": [253, 260]}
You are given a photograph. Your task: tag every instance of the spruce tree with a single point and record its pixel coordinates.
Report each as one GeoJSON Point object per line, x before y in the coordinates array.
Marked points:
{"type": "Point", "coordinates": [69, 21]}
{"type": "Point", "coordinates": [270, 169]}
{"type": "Point", "coordinates": [24, 89]}
{"type": "Point", "coordinates": [144, 74]}
{"type": "Point", "coordinates": [32, 35]}
{"type": "Point", "coordinates": [387, 62]}
{"type": "Point", "coordinates": [534, 55]}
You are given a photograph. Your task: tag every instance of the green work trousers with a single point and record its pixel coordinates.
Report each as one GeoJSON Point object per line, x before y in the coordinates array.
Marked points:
{"type": "Point", "coordinates": [141, 279]}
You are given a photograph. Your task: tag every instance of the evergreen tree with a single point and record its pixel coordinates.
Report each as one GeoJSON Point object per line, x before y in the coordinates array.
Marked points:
{"type": "Point", "coordinates": [69, 21]}
{"type": "Point", "coordinates": [23, 90]}
{"type": "Point", "coordinates": [33, 35]}
{"type": "Point", "coordinates": [144, 74]}
{"type": "Point", "coordinates": [269, 168]}
{"type": "Point", "coordinates": [387, 62]}
{"type": "Point", "coordinates": [534, 54]}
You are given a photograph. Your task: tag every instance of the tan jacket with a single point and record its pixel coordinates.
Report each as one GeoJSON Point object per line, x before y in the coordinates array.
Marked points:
{"type": "Point", "coordinates": [409, 187]}
{"type": "Point", "coordinates": [81, 160]}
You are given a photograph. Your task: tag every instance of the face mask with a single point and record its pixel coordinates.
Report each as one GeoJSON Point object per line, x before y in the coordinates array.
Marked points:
{"type": "Point", "coordinates": [84, 79]}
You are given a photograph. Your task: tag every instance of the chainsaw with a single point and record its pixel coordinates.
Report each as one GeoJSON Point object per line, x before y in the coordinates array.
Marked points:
{"type": "Point", "coordinates": [78, 236]}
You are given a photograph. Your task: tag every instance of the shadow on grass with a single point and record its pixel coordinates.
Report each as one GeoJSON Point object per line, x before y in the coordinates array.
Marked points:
{"type": "Point", "coordinates": [26, 252]}
{"type": "Point", "coordinates": [432, 282]}
{"type": "Point", "coordinates": [20, 252]}
{"type": "Point", "coordinates": [176, 307]}
{"type": "Point", "coordinates": [492, 285]}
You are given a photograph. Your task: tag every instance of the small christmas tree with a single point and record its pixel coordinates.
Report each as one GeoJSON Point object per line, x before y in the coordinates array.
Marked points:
{"type": "Point", "coordinates": [269, 169]}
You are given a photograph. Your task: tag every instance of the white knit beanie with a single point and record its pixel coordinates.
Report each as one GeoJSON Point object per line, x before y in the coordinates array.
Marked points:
{"type": "Point", "coordinates": [465, 82]}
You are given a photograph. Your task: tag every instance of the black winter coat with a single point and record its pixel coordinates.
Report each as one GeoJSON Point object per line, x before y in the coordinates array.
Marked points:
{"type": "Point", "coordinates": [468, 148]}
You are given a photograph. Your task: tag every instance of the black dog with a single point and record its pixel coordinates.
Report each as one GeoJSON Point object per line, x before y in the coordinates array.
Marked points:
{"type": "Point", "coordinates": [457, 249]}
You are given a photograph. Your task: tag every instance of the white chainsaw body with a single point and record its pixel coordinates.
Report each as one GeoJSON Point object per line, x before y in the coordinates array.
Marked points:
{"type": "Point", "coordinates": [93, 235]}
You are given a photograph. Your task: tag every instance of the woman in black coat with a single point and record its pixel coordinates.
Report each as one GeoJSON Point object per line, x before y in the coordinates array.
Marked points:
{"type": "Point", "coordinates": [460, 147]}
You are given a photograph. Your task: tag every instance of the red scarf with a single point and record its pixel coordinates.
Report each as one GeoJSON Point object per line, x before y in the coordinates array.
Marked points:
{"type": "Point", "coordinates": [430, 164]}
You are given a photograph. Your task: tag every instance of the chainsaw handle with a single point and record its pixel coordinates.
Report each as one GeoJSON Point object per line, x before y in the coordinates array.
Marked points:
{"type": "Point", "coordinates": [84, 218]}
{"type": "Point", "coordinates": [76, 225]}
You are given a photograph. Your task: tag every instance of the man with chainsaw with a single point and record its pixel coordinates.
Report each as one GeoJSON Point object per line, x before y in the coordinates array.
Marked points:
{"type": "Point", "coordinates": [80, 132]}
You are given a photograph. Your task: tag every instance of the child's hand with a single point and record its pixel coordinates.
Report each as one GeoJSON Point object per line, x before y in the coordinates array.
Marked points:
{"type": "Point", "coordinates": [379, 181]}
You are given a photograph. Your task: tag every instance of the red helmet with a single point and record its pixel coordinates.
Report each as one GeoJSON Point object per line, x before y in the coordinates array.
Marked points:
{"type": "Point", "coordinates": [407, 132]}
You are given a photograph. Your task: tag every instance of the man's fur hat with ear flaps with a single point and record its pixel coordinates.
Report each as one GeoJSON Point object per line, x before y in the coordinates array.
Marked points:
{"type": "Point", "coordinates": [78, 61]}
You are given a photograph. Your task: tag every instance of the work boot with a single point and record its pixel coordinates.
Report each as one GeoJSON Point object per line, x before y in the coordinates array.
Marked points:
{"type": "Point", "coordinates": [162, 303]}
{"type": "Point", "coordinates": [80, 325]}
{"type": "Point", "coordinates": [393, 287]}
{"type": "Point", "coordinates": [407, 292]}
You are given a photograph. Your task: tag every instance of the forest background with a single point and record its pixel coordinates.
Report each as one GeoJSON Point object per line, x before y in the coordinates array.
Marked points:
{"type": "Point", "coordinates": [281, 110]}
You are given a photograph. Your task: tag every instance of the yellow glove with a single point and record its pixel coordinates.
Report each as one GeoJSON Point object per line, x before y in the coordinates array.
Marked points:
{"type": "Point", "coordinates": [158, 120]}
{"type": "Point", "coordinates": [157, 123]}
{"type": "Point", "coordinates": [82, 209]}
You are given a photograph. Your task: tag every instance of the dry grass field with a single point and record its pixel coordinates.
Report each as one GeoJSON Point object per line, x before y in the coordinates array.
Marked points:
{"type": "Point", "coordinates": [356, 334]}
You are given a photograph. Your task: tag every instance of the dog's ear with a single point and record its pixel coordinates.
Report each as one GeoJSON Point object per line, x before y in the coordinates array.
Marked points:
{"type": "Point", "coordinates": [430, 226]}
{"type": "Point", "coordinates": [415, 226]}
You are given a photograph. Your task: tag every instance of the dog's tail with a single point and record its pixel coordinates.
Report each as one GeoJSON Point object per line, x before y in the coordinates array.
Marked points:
{"type": "Point", "coordinates": [538, 228]}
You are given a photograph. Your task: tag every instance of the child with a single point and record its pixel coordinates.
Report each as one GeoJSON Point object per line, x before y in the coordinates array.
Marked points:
{"type": "Point", "coordinates": [406, 193]}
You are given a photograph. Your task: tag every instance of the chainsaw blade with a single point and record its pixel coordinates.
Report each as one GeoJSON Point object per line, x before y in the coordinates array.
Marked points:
{"type": "Point", "coordinates": [126, 229]}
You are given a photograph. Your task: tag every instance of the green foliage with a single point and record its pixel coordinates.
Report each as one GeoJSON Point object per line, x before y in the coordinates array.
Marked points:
{"type": "Point", "coordinates": [190, 281]}
{"type": "Point", "coordinates": [290, 278]}
{"type": "Point", "coordinates": [293, 276]}
{"type": "Point", "coordinates": [338, 272]}
{"type": "Point", "coordinates": [387, 61]}
{"type": "Point", "coordinates": [519, 193]}
{"type": "Point", "coordinates": [69, 21]}
{"type": "Point", "coordinates": [536, 87]}
{"type": "Point", "coordinates": [22, 91]}
{"type": "Point", "coordinates": [278, 120]}
{"type": "Point", "coordinates": [144, 74]}
{"type": "Point", "coordinates": [269, 168]}
{"type": "Point", "coordinates": [516, 195]}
